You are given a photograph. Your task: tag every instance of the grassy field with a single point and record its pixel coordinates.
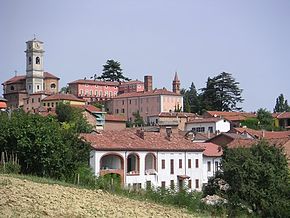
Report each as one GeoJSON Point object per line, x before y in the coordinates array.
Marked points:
{"type": "Point", "coordinates": [26, 196]}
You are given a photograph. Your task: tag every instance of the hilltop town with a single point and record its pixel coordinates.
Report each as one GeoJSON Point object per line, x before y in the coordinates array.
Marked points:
{"type": "Point", "coordinates": [140, 135]}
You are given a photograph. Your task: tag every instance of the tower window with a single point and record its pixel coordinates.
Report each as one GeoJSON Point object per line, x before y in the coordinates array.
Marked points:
{"type": "Point", "coordinates": [29, 60]}
{"type": "Point", "coordinates": [12, 88]}
{"type": "Point", "coordinates": [37, 87]}
{"type": "Point", "coordinates": [52, 86]}
{"type": "Point", "coordinates": [37, 60]}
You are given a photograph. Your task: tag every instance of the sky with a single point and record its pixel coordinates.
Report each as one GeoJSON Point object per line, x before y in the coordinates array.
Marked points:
{"type": "Point", "coordinates": [199, 39]}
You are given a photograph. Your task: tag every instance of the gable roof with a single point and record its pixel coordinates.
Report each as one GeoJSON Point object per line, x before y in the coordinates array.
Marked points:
{"type": "Point", "coordinates": [94, 82]}
{"type": "Point", "coordinates": [231, 115]}
{"type": "Point", "coordinates": [263, 133]}
{"type": "Point", "coordinates": [128, 140]}
{"type": "Point", "coordinates": [205, 120]}
{"type": "Point", "coordinates": [62, 96]}
{"type": "Point", "coordinates": [282, 115]}
{"type": "Point", "coordinates": [115, 117]}
{"type": "Point", "coordinates": [211, 149]}
{"type": "Point", "coordinates": [148, 93]}
{"type": "Point", "coordinates": [21, 78]}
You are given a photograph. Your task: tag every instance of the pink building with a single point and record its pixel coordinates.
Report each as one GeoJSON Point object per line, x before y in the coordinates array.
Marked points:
{"type": "Point", "coordinates": [131, 86]}
{"type": "Point", "coordinates": [92, 90]}
{"type": "Point", "coordinates": [148, 103]}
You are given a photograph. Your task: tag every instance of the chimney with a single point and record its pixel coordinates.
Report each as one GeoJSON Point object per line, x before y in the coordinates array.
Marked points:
{"type": "Point", "coordinates": [148, 83]}
{"type": "Point", "coordinates": [140, 133]}
{"type": "Point", "coordinates": [168, 133]}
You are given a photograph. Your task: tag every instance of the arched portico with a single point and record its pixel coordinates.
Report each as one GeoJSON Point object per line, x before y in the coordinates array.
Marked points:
{"type": "Point", "coordinates": [150, 164]}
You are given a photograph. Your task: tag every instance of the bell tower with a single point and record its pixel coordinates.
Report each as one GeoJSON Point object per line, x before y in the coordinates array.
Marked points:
{"type": "Point", "coordinates": [176, 84]}
{"type": "Point", "coordinates": [34, 66]}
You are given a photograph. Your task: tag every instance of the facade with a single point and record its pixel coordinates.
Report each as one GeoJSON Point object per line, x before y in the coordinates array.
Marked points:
{"type": "Point", "coordinates": [282, 120]}
{"type": "Point", "coordinates": [53, 100]}
{"type": "Point", "coordinates": [17, 90]}
{"type": "Point", "coordinates": [131, 86]}
{"type": "Point", "coordinates": [141, 159]}
{"type": "Point", "coordinates": [234, 117]}
{"type": "Point", "coordinates": [208, 125]}
{"type": "Point", "coordinates": [179, 117]}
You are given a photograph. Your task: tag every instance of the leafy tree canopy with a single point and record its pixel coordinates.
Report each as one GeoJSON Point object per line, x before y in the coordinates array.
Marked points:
{"type": "Point", "coordinates": [281, 104]}
{"type": "Point", "coordinates": [265, 119]}
{"type": "Point", "coordinates": [191, 99]}
{"type": "Point", "coordinates": [112, 72]}
{"type": "Point", "coordinates": [221, 93]}
{"type": "Point", "coordinates": [257, 178]}
{"type": "Point", "coordinates": [138, 121]}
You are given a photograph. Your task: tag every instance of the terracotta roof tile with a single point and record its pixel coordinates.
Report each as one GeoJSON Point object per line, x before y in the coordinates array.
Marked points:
{"type": "Point", "coordinates": [62, 96]}
{"type": "Point", "coordinates": [232, 115]}
{"type": "Point", "coordinates": [94, 82]}
{"type": "Point", "coordinates": [129, 140]}
{"type": "Point", "coordinates": [17, 79]}
{"type": "Point", "coordinates": [113, 117]}
{"type": "Point", "coordinates": [131, 82]}
{"type": "Point", "coordinates": [205, 120]}
{"type": "Point", "coordinates": [211, 149]}
{"type": "Point", "coordinates": [263, 133]}
{"type": "Point", "coordinates": [176, 114]}
{"type": "Point", "coordinates": [149, 93]}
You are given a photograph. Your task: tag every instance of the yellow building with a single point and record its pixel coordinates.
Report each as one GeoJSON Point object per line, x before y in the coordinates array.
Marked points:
{"type": "Point", "coordinates": [53, 100]}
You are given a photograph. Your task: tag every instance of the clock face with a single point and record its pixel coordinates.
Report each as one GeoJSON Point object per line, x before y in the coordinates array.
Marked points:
{"type": "Point", "coordinates": [37, 45]}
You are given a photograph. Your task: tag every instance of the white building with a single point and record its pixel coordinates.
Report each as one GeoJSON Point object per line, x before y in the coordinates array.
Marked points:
{"type": "Point", "coordinates": [208, 125]}
{"type": "Point", "coordinates": [139, 158]}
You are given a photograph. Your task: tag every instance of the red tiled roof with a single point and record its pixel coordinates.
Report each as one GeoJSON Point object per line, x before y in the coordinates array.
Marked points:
{"type": "Point", "coordinates": [49, 75]}
{"type": "Point", "coordinates": [131, 82]}
{"type": "Point", "coordinates": [89, 108]}
{"type": "Point", "coordinates": [205, 120]}
{"type": "Point", "coordinates": [62, 96]}
{"type": "Point", "coordinates": [250, 142]}
{"type": "Point", "coordinates": [113, 117]}
{"type": "Point", "coordinates": [17, 79]}
{"type": "Point", "coordinates": [232, 115]}
{"type": "Point", "coordinates": [3, 105]}
{"type": "Point", "coordinates": [211, 149]}
{"type": "Point", "coordinates": [282, 115]}
{"type": "Point", "coordinates": [149, 93]}
{"type": "Point", "coordinates": [95, 82]}
{"type": "Point", "coordinates": [128, 140]}
{"type": "Point", "coordinates": [263, 133]}
{"type": "Point", "coordinates": [176, 114]}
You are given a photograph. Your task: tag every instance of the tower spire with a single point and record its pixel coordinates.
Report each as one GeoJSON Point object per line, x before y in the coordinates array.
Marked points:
{"type": "Point", "coordinates": [176, 84]}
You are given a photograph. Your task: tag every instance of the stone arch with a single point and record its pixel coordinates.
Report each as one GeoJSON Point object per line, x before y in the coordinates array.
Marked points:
{"type": "Point", "coordinates": [133, 163]}
{"type": "Point", "coordinates": [150, 163]}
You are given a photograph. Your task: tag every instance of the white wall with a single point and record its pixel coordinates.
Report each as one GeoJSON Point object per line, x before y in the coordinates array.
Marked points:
{"type": "Point", "coordinates": [207, 174]}
{"type": "Point", "coordinates": [162, 174]}
{"type": "Point", "coordinates": [221, 126]}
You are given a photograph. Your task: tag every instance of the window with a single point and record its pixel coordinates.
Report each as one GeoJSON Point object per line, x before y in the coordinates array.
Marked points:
{"type": "Point", "coordinates": [32, 100]}
{"type": "Point", "coordinates": [29, 60]}
{"type": "Point", "coordinates": [171, 166]}
{"type": "Point", "coordinates": [123, 102]}
{"type": "Point", "coordinates": [163, 184]}
{"type": "Point", "coordinates": [196, 163]}
{"type": "Point", "coordinates": [216, 164]}
{"type": "Point", "coordinates": [196, 183]}
{"type": "Point", "coordinates": [52, 104]}
{"type": "Point", "coordinates": [189, 183]}
{"type": "Point", "coordinates": [96, 93]}
{"type": "Point", "coordinates": [172, 184]}
{"type": "Point", "coordinates": [117, 111]}
{"type": "Point", "coordinates": [29, 87]}
{"type": "Point", "coordinates": [200, 129]}
{"type": "Point", "coordinates": [91, 92]}
{"type": "Point", "coordinates": [123, 110]}
{"type": "Point", "coordinates": [130, 101]}
{"type": "Point", "coordinates": [208, 166]}
{"type": "Point", "coordinates": [37, 87]}
{"type": "Point", "coordinates": [48, 104]}
{"type": "Point", "coordinates": [27, 101]}
{"type": "Point", "coordinates": [37, 60]}
{"type": "Point", "coordinates": [106, 93]}
{"type": "Point", "coordinates": [210, 129]}
{"type": "Point", "coordinates": [52, 86]}
{"type": "Point", "coordinates": [101, 93]}
{"type": "Point", "coordinates": [180, 163]}
{"type": "Point", "coordinates": [163, 164]}
{"type": "Point", "coordinates": [189, 163]}
{"type": "Point", "coordinates": [81, 92]}
{"type": "Point", "coordinates": [111, 94]}
{"type": "Point", "coordinates": [12, 88]}
{"type": "Point", "coordinates": [56, 103]}
{"type": "Point", "coordinates": [38, 99]}
{"type": "Point", "coordinates": [44, 104]}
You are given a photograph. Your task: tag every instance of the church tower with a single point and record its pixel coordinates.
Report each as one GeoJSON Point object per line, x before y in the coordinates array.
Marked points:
{"type": "Point", "coordinates": [34, 66]}
{"type": "Point", "coordinates": [176, 84]}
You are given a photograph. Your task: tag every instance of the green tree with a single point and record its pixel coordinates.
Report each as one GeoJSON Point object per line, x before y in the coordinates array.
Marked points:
{"type": "Point", "coordinates": [257, 178]}
{"type": "Point", "coordinates": [138, 121]}
{"type": "Point", "coordinates": [112, 72]}
{"type": "Point", "coordinates": [191, 99]}
{"type": "Point", "coordinates": [221, 93]}
{"type": "Point", "coordinates": [42, 146]}
{"type": "Point", "coordinates": [252, 123]}
{"type": "Point", "coordinates": [281, 104]}
{"type": "Point", "coordinates": [265, 119]}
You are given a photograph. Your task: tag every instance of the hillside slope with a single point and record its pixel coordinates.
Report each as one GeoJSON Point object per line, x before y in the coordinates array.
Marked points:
{"type": "Point", "coordinates": [23, 198]}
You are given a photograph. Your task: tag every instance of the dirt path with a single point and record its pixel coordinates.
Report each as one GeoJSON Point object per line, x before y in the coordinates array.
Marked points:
{"type": "Point", "coordinates": [23, 198]}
